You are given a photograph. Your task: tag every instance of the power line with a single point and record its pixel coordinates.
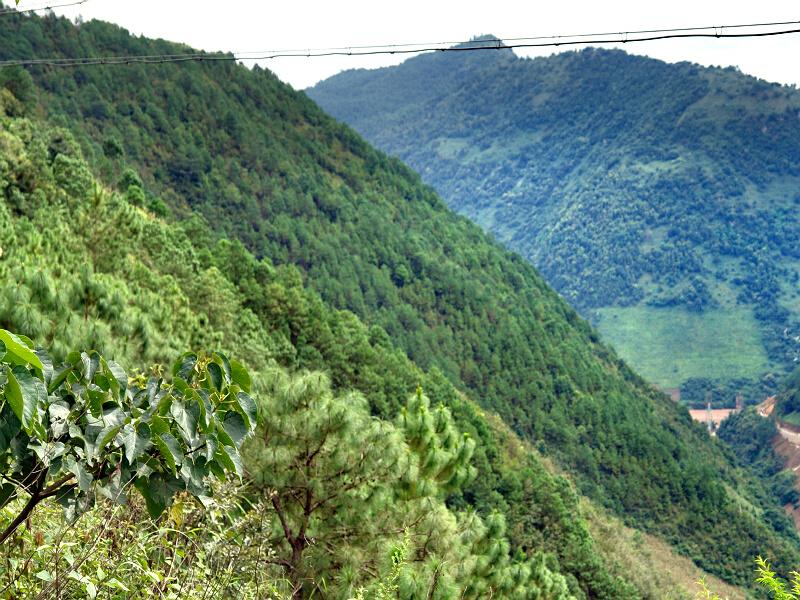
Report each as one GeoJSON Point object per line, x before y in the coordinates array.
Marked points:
{"type": "Point", "coordinates": [524, 39]}
{"type": "Point", "coordinates": [17, 11]}
{"type": "Point", "coordinates": [498, 44]}
{"type": "Point", "coordinates": [717, 32]}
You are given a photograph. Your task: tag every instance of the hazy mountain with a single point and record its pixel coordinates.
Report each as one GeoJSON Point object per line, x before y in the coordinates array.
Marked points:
{"type": "Point", "coordinates": [658, 199]}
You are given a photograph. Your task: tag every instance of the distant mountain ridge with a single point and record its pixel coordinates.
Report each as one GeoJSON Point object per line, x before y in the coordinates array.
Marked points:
{"type": "Point", "coordinates": [658, 199]}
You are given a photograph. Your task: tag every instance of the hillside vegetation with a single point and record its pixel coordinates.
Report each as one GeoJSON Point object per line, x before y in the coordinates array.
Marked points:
{"type": "Point", "coordinates": [648, 194]}
{"type": "Point", "coordinates": [92, 270]}
{"type": "Point", "coordinates": [327, 255]}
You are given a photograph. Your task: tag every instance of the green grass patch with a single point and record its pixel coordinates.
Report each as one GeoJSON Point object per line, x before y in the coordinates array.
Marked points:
{"type": "Point", "coordinates": [791, 419]}
{"type": "Point", "coordinates": [670, 345]}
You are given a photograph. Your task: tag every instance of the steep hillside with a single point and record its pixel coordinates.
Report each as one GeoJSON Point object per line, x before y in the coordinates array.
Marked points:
{"type": "Point", "coordinates": [657, 198]}
{"type": "Point", "coordinates": [263, 164]}
{"type": "Point", "coordinates": [766, 439]}
{"type": "Point", "coordinates": [787, 405]}
{"type": "Point", "coordinates": [84, 268]}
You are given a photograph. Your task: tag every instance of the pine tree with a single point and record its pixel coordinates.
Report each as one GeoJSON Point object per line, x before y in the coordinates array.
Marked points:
{"type": "Point", "coordinates": [327, 468]}
{"type": "Point", "coordinates": [345, 485]}
{"type": "Point", "coordinates": [442, 456]}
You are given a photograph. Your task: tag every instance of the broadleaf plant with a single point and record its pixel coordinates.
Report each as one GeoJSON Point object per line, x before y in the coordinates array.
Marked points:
{"type": "Point", "coordinates": [84, 428]}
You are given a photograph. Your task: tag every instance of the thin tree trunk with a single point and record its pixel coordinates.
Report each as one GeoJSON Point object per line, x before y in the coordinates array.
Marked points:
{"type": "Point", "coordinates": [28, 509]}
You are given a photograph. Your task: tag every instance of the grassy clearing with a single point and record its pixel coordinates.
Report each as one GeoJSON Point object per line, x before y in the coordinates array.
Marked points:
{"type": "Point", "coordinates": [670, 345]}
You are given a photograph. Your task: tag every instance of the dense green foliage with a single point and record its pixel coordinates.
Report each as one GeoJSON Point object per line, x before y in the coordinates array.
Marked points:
{"type": "Point", "coordinates": [344, 486]}
{"type": "Point", "coordinates": [266, 166]}
{"type": "Point", "coordinates": [751, 437]}
{"type": "Point", "coordinates": [347, 484]}
{"type": "Point", "coordinates": [771, 582]}
{"type": "Point", "coordinates": [627, 181]}
{"type": "Point", "coordinates": [789, 395]}
{"type": "Point", "coordinates": [113, 551]}
{"type": "Point", "coordinates": [767, 579]}
{"type": "Point", "coordinates": [77, 430]}
{"type": "Point", "coordinates": [92, 270]}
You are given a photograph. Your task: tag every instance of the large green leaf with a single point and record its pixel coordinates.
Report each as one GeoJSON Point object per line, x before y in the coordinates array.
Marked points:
{"type": "Point", "coordinates": [215, 374]}
{"type": "Point", "coordinates": [217, 470]}
{"type": "Point", "coordinates": [223, 362]}
{"type": "Point", "coordinates": [230, 458]}
{"type": "Point", "coordinates": [158, 491]}
{"type": "Point", "coordinates": [222, 435]}
{"type": "Point", "coordinates": [59, 415]}
{"type": "Point", "coordinates": [248, 409]}
{"type": "Point", "coordinates": [211, 445]}
{"type": "Point", "coordinates": [119, 376]}
{"type": "Point", "coordinates": [58, 377]}
{"type": "Point", "coordinates": [24, 392]}
{"type": "Point", "coordinates": [235, 427]}
{"type": "Point", "coordinates": [136, 441]}
{"type": "Point", "coordinates": [240, 376]}
{"type": "Point", "coordinates": [47, 365]}
{"type": "Point", "coordinates": [158, 425]}
{"type": "Point", "coordinates": [18, 352]}
{"type": "Point", "coordinates": [96, 398]}
{"type": "Point", "coordinates": [82, 474]}
{"type": "Point", "coordinates": [90, 363]}
{"type": "Point", "coordinates": [114, 415]}
{"type": "Point", "coordinates": [9, 427]}
{"type": "Point", "coordinates": [184, 366]}
{"type": "Point", "coordinates": [186, 420]}
{"type": "Point", "coordinates": [153, 387]}
{"type": "Point", "coordinates": [205, 410]}
{"type": "Point", "coordinates": [170, 449]}
{"type": "Point", "coordinates": [105, 436]}
{"type": "Point", "coordinates": [193, 473]}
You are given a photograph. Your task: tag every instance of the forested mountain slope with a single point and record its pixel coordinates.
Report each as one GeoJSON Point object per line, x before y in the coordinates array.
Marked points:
{"type": "Point", "coordinates": [92, 269]}
{"type": "Point", "coordinates": [658, 199]}
{"type": "Point", "coordinates": [787, 405]}
{"type": "Point", "coordinates": [764, 438]}
{"type": "Point", "coordinates": [85, 268]}
{"type": "Point", "coordinates": [266, 166]}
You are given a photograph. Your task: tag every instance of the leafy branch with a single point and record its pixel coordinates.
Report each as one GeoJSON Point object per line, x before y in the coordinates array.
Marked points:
{"type": "Point", "coordinates": [84, 428]}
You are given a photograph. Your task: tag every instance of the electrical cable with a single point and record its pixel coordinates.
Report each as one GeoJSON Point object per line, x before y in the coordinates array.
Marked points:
{"type": "Point", "coordinates": [474, 45]}
{"type": "Point", "coordinates": [525, 39]}
{"type": "Point", "coordinates": [17, 10]}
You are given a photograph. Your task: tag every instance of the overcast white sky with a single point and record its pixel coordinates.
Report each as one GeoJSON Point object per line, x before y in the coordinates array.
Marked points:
{"type": "Point", "coordinates": [239, 25]}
